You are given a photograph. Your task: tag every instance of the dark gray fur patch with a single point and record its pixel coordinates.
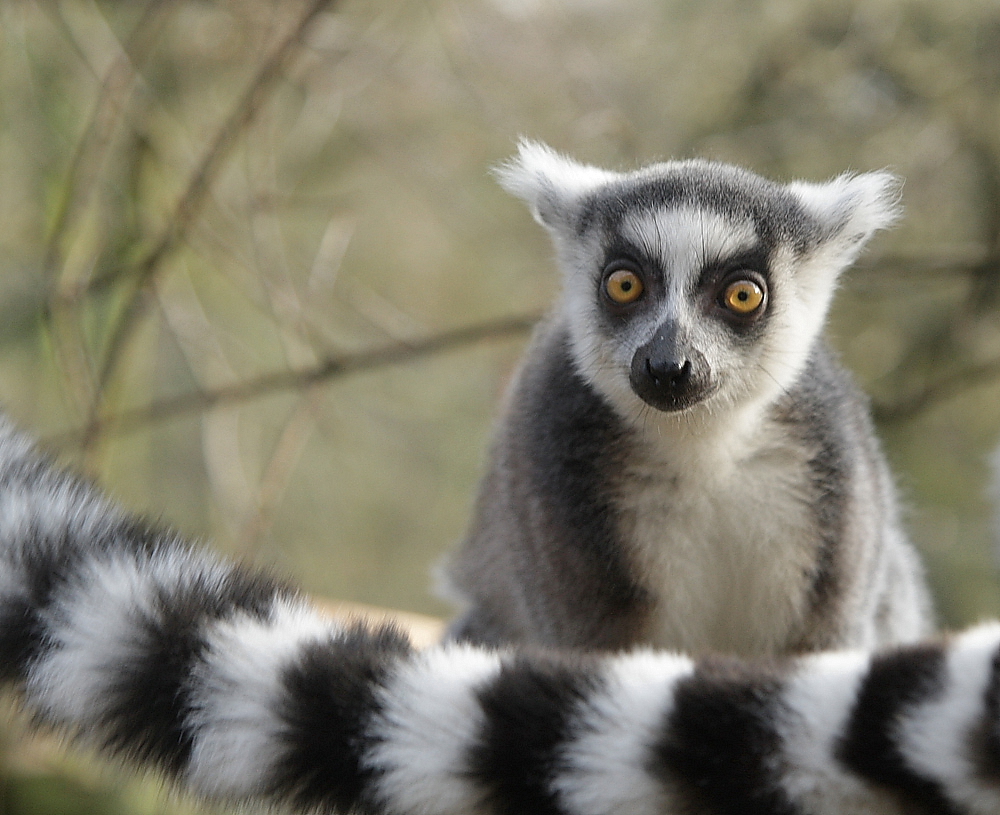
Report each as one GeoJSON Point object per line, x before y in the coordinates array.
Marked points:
{"type": "Point", "coordinates": [730, 191]}
{"type": "Point", "coordinates": [822, 409]}
{"type": "Point", "coordinates": [543, 562]}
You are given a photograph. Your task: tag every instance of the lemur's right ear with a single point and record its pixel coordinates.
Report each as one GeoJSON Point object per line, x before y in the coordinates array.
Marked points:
{"type": "Point", "coordinates": [550, 183]}
{"type": "Point", "coordinates": [849, 209]}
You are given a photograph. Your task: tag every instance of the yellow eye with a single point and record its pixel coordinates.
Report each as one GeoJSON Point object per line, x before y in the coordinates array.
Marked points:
{"type": "Point", "coordinates": [743, 297]}
{"type": "Point", "coordinates": [623, 287]}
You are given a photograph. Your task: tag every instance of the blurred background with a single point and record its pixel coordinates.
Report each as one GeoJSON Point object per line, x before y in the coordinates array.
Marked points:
{"type": "Point", "coordinates": [256, 279]}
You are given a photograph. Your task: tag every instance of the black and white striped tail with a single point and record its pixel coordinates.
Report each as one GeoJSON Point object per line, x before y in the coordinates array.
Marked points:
{"type": "Point", "coordinates": [232, 685]}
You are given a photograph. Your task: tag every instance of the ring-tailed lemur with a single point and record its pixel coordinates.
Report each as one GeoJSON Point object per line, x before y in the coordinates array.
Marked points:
{"type": "Point", "coordinates": [228, 682]}
{"type": "Point", "coordinates": [681, 461]}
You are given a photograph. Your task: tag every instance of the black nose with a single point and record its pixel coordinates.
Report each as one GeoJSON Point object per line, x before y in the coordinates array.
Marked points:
{"type": "Point", "coordinates": [668, 373]}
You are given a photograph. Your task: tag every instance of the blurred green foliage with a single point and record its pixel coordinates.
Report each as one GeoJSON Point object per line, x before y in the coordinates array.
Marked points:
{"type": "Point", "coordinates": [191, 198]}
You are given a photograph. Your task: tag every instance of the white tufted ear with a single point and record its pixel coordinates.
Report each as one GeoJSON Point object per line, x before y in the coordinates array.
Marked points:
{"type": "Point", "coordinates": [550, 183]}
{"type": "Point", "coordinates": [850, 209]}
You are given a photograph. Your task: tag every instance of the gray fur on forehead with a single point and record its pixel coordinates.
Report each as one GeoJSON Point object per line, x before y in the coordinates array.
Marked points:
{"type": "Point", "coordinates": [729, 191]}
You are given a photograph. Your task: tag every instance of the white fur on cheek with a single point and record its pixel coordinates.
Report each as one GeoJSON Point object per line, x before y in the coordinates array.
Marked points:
{"type": "Point", "coordinates": [600, 361]}
{"type": "Point", "coordinates": [681, 242]}
{"type": "Point", "coordinates": [803, 292]}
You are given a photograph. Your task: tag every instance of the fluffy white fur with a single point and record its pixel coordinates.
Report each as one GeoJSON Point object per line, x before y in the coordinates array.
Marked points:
{"type": "Point", "coordinates": [96, 621]}
{"type": "Point", "coordinates": [818, 703]}
{"type": "Point", "coordinates": [238, 693]}
{"type": "Point", "coordinates": [855, 205]}
{"type": "Point", "coordinates": [430, 720]}
{"type": "Point", "coordinates": [550, 183]}
{"type": "Point", "coordinates": [742, 599]}
{"type": "Point", "coordinates": [935, 734]}
{"type": "Point", "coordinates": [605, 767]}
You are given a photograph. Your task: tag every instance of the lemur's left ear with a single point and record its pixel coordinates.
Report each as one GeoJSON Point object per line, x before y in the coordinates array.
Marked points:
{"type": "Point", "coordinates": [550, 183]}
{"type": "Point", "coordinates": [850, 209]}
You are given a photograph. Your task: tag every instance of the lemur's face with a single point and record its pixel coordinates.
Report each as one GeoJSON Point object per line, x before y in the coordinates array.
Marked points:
{"type": "Point", "coordinates": [695, 286]}
{"type": "Point", "coordinates": [673, 302]}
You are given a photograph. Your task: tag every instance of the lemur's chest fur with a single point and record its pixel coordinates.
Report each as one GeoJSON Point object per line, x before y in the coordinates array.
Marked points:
{"type": "Point", "coordinates": [727, 545]}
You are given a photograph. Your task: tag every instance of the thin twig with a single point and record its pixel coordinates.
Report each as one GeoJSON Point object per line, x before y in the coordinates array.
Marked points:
{"type": "Point", "coordinates": [116, 90]}
{"type": "Point", "coordinates": [188, 206]}
{"type": "Point", "coordinates": [93, 144]}
{"type": "Point", "coordinates": [278, 470]}
{"type": "Point", "coordinates": [297, 379]}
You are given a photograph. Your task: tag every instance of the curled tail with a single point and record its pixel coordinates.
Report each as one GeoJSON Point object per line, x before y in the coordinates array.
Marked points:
{"type": "Point", "coordinates": [230, 683]}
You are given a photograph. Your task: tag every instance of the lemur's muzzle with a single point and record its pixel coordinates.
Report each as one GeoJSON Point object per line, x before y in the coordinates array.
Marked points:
{"type": "Point", "coordinates": [668, 373]}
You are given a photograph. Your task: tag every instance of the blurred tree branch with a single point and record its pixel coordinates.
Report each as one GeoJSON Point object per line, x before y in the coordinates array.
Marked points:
{"type": "Point", "coordinates": [329, 368]}
{"type": "Point", "coordinates": [93, 145]}
{"type": "Point", "coordinates": [87, 162]}
{"type": "Point", "coordinates": [947, 386]}
{"type": "Point", "coordinates": [143, 275]}
{"type": "Point", "coordinates": [775, 66]}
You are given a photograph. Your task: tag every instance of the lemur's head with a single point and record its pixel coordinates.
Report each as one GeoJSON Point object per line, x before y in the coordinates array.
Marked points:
{"type": "Point", "coordinates": [695, 285]}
